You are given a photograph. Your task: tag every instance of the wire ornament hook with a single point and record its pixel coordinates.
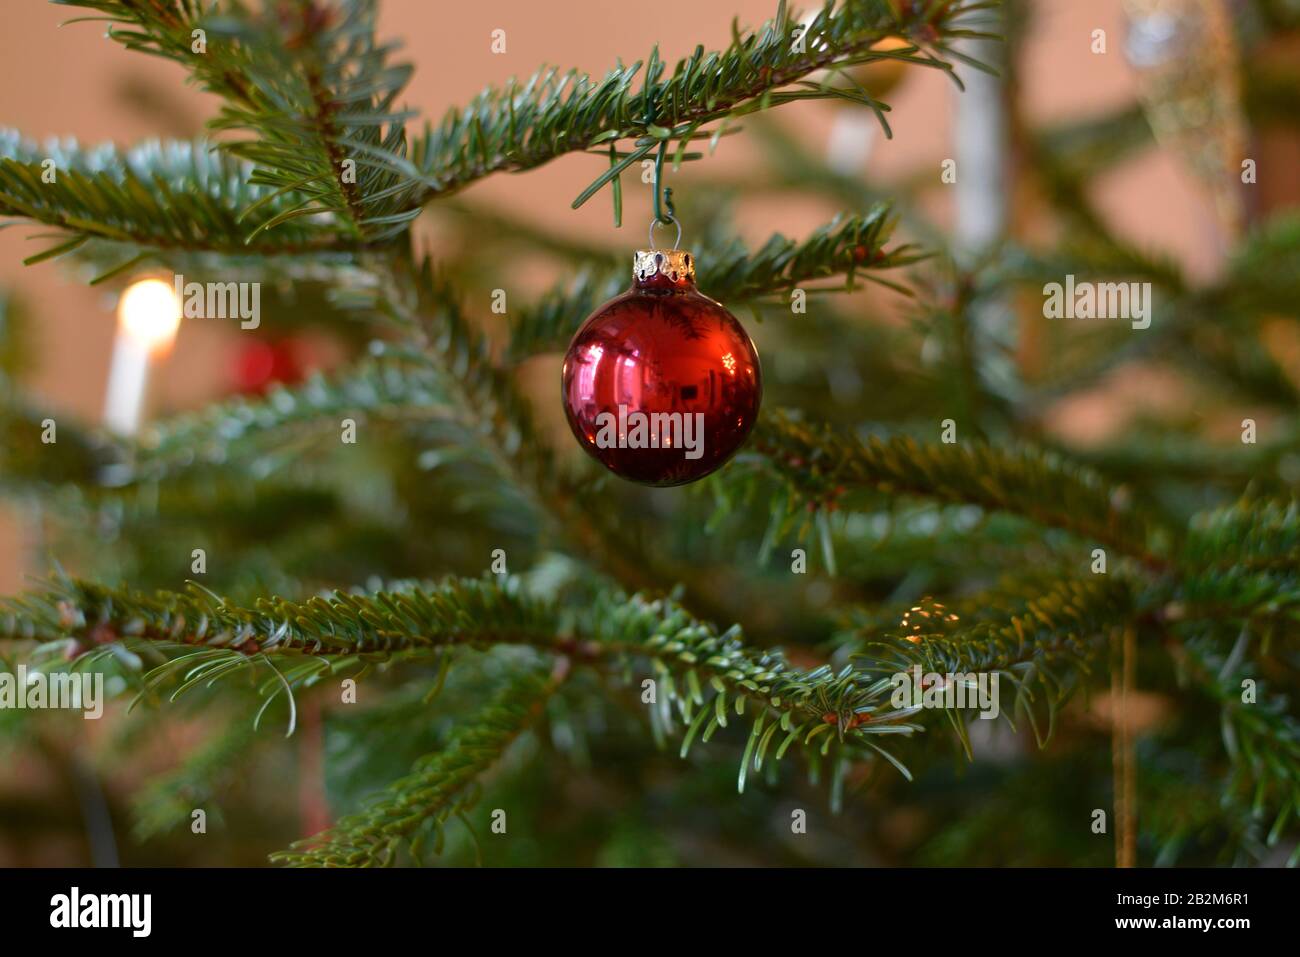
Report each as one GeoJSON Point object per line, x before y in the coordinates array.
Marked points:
{"type": "Point", "coordinates": [671, 219]}
{"type": "Point", "coordinates": [663, 201]}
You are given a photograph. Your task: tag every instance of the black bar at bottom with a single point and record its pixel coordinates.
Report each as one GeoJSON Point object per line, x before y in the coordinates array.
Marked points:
{"type": "Point", "coordinates": [551, 908]}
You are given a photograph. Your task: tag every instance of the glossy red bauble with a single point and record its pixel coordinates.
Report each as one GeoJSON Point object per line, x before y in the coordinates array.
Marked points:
{"type": "Point", "coordinates": [662, 385]}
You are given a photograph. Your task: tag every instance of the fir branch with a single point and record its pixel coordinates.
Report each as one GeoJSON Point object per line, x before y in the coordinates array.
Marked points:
{"type": "Point", "coordinates": [30, 463]}
{"type": "Point", "coordinates": [316, 89]}
{"type": "Point", "coordinates": [1062, 157]}
{"type": "Point", "coordinates": [231, 431]}
{"type": "Point", "coordinates": [997, 604]}
{"type": "Point", "coordinates": [460, 612]}
{"type": "Point", "coordinates": [220, 435]}
{"type": "Point", "coordinates": [157, 197]}
{"type": "Point", "coordinates": [816, 709]}
{"type": "Point", "coordinates": [1152, 456]}
{"type": "Point", "coordinates": [1242, 563]}
{"type": "Point", "coordinates": [821, 466]}
{"type": "Point", "coordinates": [549, 324]}
{"type": "Point", "coordinates": [1184, 810]}
{"type": "Point", "coordinates": [486, 225]}
{"type": "Point", "coordinates": [169, 799]}
{"type": "Point", "coordinates": [440, 786]}
{"type": "Point", "coordinates": [446, 375]}
{"type": "Point", "coordinates": [440, 335]}
{"type": "Point", "coordinates": [851, 247]}
{"type": "Point", "coordinates": [1045, 643]}
{"type": "Point", "coordinates": [204, 638]}
{"type": "Point", "coordinates": [15, 340]}
{"type": "Point", "coordinates": [1261, 737]}
{"type": "Point", "coordinates": [525, 125]}
{"type": "Point", "coordinates": [1263, 275]}
{"type": "Point", "coordinates": [313, 86]}
{"type": "Point", "coordinates": [1249, 533]}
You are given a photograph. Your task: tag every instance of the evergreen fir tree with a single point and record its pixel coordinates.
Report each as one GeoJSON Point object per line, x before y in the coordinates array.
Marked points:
{"type": "Point", "coordinates": [633, 676]}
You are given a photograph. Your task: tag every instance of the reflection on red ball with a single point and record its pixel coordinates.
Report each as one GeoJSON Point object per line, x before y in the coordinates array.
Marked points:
{"type": "Point", "coordinates": [661, 384]}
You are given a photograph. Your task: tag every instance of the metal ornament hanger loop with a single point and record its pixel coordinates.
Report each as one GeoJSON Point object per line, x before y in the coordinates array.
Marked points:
{"type": "Point", "coordinates": [671, 219]}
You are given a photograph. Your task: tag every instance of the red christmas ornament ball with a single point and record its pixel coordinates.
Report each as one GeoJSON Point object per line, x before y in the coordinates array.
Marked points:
{"type": "Point", "coordinates": [662, 385]}
{"type": "Point", "coordinates": [261, 364]}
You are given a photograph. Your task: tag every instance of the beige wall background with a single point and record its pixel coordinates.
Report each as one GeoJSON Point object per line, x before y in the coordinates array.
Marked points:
{"type": "Point", "coordinates": [70, 81]}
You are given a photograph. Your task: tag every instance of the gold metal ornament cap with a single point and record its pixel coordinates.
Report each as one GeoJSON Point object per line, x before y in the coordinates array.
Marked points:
{"type": "Point", "coordinates": [674, 265]}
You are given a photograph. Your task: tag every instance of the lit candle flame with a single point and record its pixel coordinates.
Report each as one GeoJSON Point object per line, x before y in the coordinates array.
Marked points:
{"type": "Point", "coordinates": [150, 313]}
{"type": "Point", "coordinates": [148, 317]}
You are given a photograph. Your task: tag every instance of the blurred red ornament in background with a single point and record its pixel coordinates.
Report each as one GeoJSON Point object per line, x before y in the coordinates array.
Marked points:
{"type": "Point", "coordinates": [261, 363]}
{"type": "Point", "coordinates": [661, 384]}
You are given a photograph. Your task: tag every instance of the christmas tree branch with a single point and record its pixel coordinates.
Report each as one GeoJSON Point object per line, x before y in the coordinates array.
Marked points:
{"type": "Point", "coordinates": [1263, 275]}
{"type": "Point", "coordinates": [1190, 325]}
{"type": "Point", "coordinates": [169, 799]}
{"type": "Point", "coordinates": [1149, 457]}
{"type": "Point", "coordinates": [329, 139]}
{"type": "Point", "coordinates": [440, 786]}
{"type": "Point", "coordinates": [204, 638]}
{"type": "Point", "coordinates": [522, 126]}
{"type": "Point", "coordinates": [488, 226]}
{"type": "Point", "coordinates": [462, 612]}
{"type": "Point", "coordinates": [315, 89]}
{"type": "Point", "coordinates": [1018, 607]}
{"type": "Point", "coordinates": [441, 336]}
{"type": "Point", "coordinates": [852, 247]}
{"type": "Point", "coordinates": [41, 451]}
{"type": "Point", "coordinates": [820, 467]}
{"type": "Point", "coordinates": [1042, 642]}
{"type": "Point", "coordinates": [156, 197]}
{"type": "Point", "coordinates": [1062, 157]}
{"type": "Point", "coordinates": [15, 335]}
{"type": "Point", "coordinates": [1260, 735]}
{"type": "Point", "coordinates": [1241, 563]}
{"type": "Point", "coordinates": [221, 433]}
{"type": "Point", "coordinates": [1251, 533]}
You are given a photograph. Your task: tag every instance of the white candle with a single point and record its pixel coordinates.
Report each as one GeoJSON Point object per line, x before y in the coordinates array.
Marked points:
{"type": "Point", "coordinates": [852, 138]}
{"type": "Point", "coordinates": [148, 317]}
